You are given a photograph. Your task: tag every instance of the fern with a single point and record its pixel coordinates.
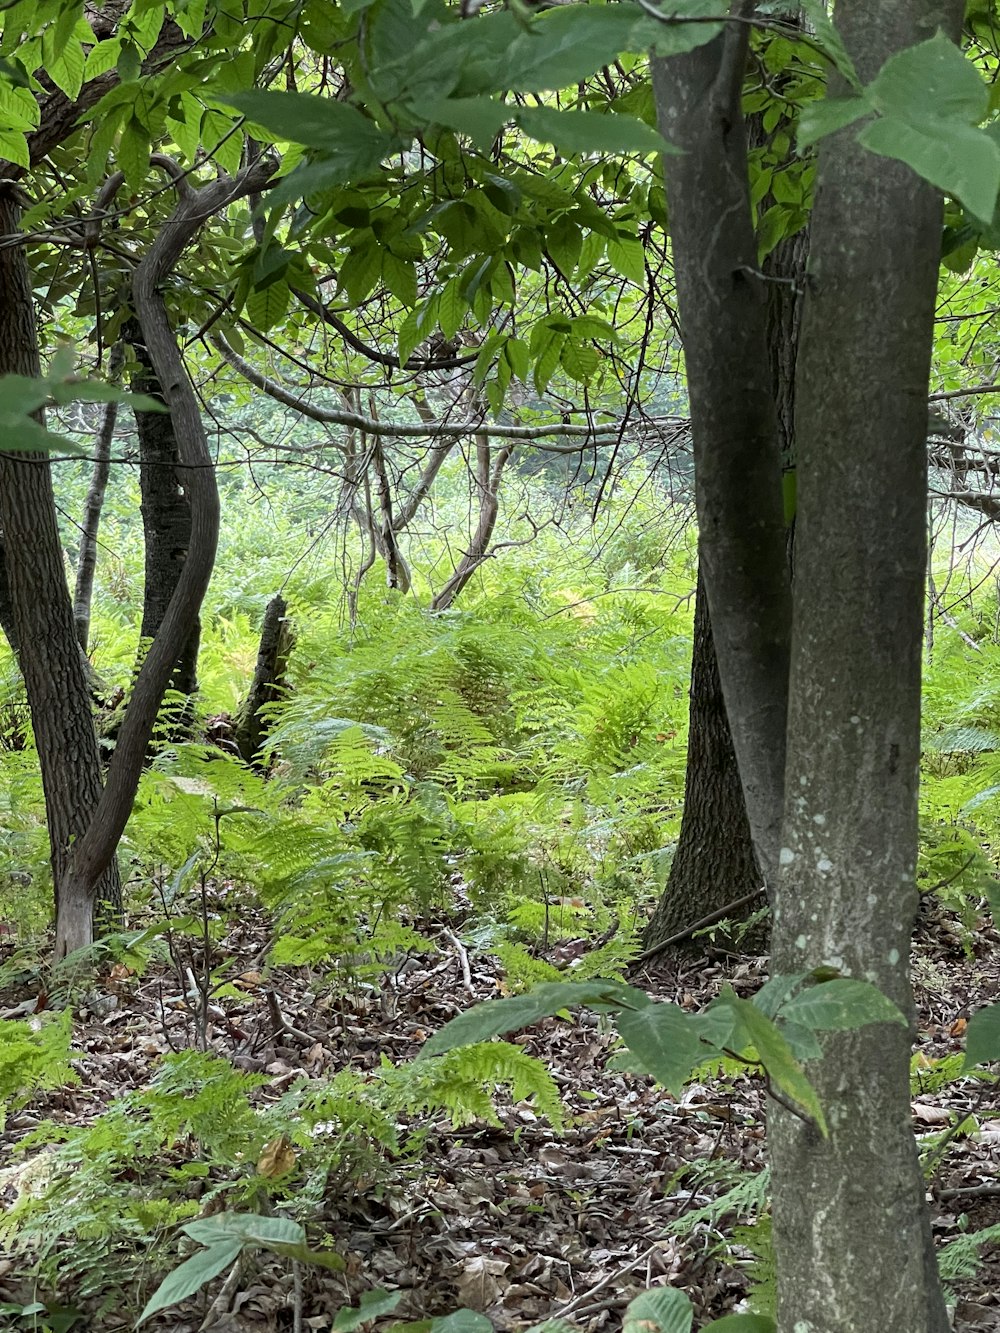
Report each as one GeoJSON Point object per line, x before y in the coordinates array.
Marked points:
{"type": "Point", "coordinates": [33, 1056]}
{"type": "Point", "coordinates": [962, 1257]}
{"type": "Point", "coordinates": [463, 1082]}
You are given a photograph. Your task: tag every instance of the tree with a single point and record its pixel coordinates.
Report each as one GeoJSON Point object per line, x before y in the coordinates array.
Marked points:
{"type": "Point", "coordinates": [838, 844]}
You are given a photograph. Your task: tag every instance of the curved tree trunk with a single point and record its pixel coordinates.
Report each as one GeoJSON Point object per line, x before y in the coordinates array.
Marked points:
{"type": "Point", "coordinates": [49, 653]}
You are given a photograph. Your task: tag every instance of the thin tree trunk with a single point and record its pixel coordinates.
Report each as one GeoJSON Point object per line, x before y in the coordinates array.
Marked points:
{"type": "Point", "coordinates": [86, 564]}
{"type": "Point", "coordinates": [49, 653]}
{"type": "Point", "coordinates": [166, 515]}
{"type": "Point", "coordinates": [852, 1235]}
{"type": "Point", "coordinates": [489, 470]}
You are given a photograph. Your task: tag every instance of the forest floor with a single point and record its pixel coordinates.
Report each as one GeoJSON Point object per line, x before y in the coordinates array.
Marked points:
{"type": "Point", "coordinates": [519, 1222]}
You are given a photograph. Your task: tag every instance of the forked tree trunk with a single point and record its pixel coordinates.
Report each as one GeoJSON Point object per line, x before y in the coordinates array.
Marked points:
{"type": "Point", "coordinates": [852, 1234]}
{"type": "Point", "coordinates": [49, 654]}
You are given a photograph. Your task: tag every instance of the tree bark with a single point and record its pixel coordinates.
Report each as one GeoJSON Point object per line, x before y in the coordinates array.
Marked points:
{"type": "Point", "coordinates": [714, 863]}
{"type": "Point", "coordinates": [489, 470]}
{"type": "Point", "coordinates": [166, 515]}
{"type": "Point", "coordinates": [268, 680]}
{"type": "Point", "coordinates": [86, 564]}
{"type": "Point", "coordinates": [49, 654]}
{"type": "Point", "coordinates": [94, 849]}
{"type": "Point", "coordinates": [723, 317]}
{"type": "Point", "coordinates": [851, 1230]}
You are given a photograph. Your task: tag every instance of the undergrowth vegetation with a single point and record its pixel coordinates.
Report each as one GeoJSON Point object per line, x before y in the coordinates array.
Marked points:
{"type": "Point", "coordinates": [513, 768]}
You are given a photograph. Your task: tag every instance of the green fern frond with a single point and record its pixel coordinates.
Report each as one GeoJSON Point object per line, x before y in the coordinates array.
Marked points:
{"type": "Point", "coordinates": [463, 1082]}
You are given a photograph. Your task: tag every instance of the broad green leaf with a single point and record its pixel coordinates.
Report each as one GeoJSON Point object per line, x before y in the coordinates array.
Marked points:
{"type": "Point", "coordinates": [267, 306]}
{"type": "Point", "coordinates": [133, 152]}
{"type": "Point", "coordinates": [672, 36]}
{"type": "Point", "coordinates": [400, 276]}
{"type": "Point", "coordinates": [463, 1321]}
{"type": "Point", "coordinates": [102, 57]}
{"type": "Point", "coordinates": [839, 1005]}
{"type": "Point", "coordinates": [247, 1228]}
{"type": "Point", "coordinates": [373, 1305]}
{"type": "Point", "coordinates": [660, 1310]}
{"type": "Point", "coordinates": [566, 44]}
{"type": "Point", "coordinates": [481, 118]}
{"type": "Point", "coordinates": [590, 132]}
{"type": "Point", "coordinates": [665, 1040]}
{"type": "Point", "coordinates": [930, 81]}
{"type": "Point", "coordinates": [579, 361]}
{"type": "Point", "coordinates": [820, 118]}
{"type": "Point", "coordinates": [775, 991]}
{"type": "Point", "coordinates": [351, 143]}
{"type": "Point", "coordinates": [191, 1276]}
{"type": "Point", "coordinates": [14, 147]}
{"type": "Point", "coordinates": [982, 1037]}
{"type": "Point", "coordinates": [626, 257]}
{"type": "Point", "coordinates": [959, 159]}
{"type": "Point", "coordinates": [803, 1041]}
{"type": "Point", "coordinates": [742, 1323]}
{"type": "Point", "coordinates": [548, 359]}
{"type": "Point", "coordinates": [777, 1058]}
{"type": "Point", "coordinates": [495, 1017]}
{"type": "Point", "coordinates": [67, 72]}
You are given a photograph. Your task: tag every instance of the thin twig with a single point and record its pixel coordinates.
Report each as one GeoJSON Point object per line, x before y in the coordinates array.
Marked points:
{"type": "Point", "coordinates": [700, 924]}
{"type": "Point", "coordinates": [463, 958]}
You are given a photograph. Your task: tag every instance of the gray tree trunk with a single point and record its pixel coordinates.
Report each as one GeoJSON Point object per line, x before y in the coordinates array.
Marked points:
{"type": "Point", "coordinates": [268, 682]}
{"type": "Point", "coordinates": [851, 1228]}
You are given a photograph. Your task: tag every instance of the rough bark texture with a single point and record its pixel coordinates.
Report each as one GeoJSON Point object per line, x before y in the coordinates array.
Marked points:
{"type": "Point", "coordinates": [268, 680]}
{"type": "Point", "coordinates": [166, 515]}
{"type": "Point", "coordinates": [86, 564]}
{"type": "Point", "coordinates": [723, 313]}
{"type": "Point", "coordinates": [851, 1229]}
{"type": "Point", "coordinates": [49, 655]}
{"type": "Point", "coordinates": [714, 863]}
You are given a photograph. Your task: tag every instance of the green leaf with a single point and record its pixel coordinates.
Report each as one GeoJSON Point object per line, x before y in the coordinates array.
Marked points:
{"type": "Point", "coordinates": [268, 306]}
{"type": "Point", "coordinates": [625, 255]}
{"type": "Point", "coordinates": [839, 1005]}
{"type": "Point", "coordinates": [191, 1276]}
{"type": "Point", "coordinates": [133, 152]}
{"type": "Point", "coordinates": [661, 1310]}
{"type": "Point", "coordinates": [742, 1323]}
{"type": "Point", "coordinates": [373, 1305]}
{"type": "Point", "coordinates": [247, 1228]}
{"type": "Point", "coordinates": [481, 118]}
{"type": "Point", "coordinates": [932, 80]}
{"type": "Point", "coordinates": [67, 72]}
{"type": "Point", "coordinates": [580, 362]}
{"type": "Point", "coordinates": [129, 63]}
{"type": "Point", "coordinates": [352, 144]}
{"type": "Point", "coordinates": [463, 1321]}
{"type": "Point", "coordinates": [665, 1040]}
{"type": "Point", "coordinates": [568, 44]}
{"type": "Point", "coordinates": [102, 57]}
{"type": "Point", "coordinates": [818, 119]}
{"type": "Point", "coordinates": [590, 131]}
{"type": "Point", "coordinates": [400, 276]}
{"type": "Point", "coordinates": [777, 1058]}
{"type": "Point", "coordinates": [495, 1017]}
{"type": "Point", "coordinates": [959, 159]}
{"type": "Point", "coordinates": [825, 32]}
{"type": "Point", "coordinates": [982, 1037]}
{"type": "Point", "coordinates": [14, 148]}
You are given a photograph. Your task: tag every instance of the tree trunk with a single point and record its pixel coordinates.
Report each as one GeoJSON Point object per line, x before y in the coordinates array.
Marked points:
{"type": "Point", "coordinates": [714, 863]}
{"type": "Point", "coordinates": [166, 515]}
{"type": "Point", "coordinates": [268, 680]}
{"type": "Point", "coordinates": [723, 318]}
{"type": "Point", "coordinates": [49, 653]}
{"type": "Point", "coordinates": [86, 564]}
{"type": "Point", "coordinates": [851, 1230]}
